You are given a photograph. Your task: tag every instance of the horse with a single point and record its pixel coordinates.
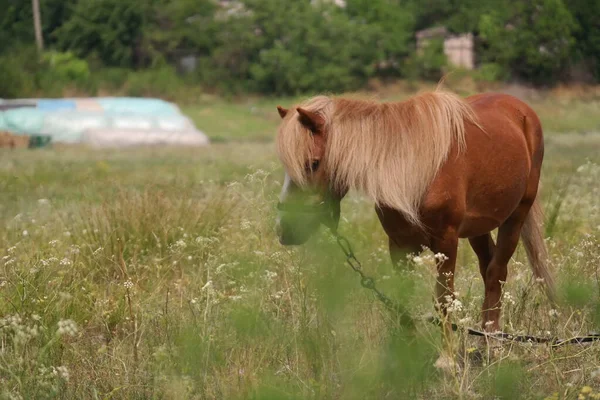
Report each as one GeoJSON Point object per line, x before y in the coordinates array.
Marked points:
{"type": "Point", "coordinates": [438, 167]}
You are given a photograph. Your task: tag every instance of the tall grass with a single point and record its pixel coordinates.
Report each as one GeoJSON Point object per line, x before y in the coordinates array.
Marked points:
{"type": "Point", "coordinates": [157, 274]}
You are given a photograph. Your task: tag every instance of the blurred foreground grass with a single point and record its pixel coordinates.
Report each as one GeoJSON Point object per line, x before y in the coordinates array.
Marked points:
{"type": "Point", "coordinates": [157, 274]}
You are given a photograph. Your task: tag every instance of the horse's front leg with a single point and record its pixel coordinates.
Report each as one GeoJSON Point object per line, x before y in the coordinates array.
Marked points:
{"type": "Point", "coordinates": [403, 237]}
{"type": "Point", "coordinates": [400, 250]}
{"type": "Point", "coordinates": [445, 247]}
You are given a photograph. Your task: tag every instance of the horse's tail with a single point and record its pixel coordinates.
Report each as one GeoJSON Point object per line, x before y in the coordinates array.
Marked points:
{"type": "Point", "coordinates": [532, 235]}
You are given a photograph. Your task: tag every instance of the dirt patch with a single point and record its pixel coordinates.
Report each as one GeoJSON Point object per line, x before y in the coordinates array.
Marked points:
{"type": "Point", "coordinates": [10, 141]}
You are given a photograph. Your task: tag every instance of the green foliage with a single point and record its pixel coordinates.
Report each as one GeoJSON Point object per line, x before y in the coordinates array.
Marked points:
{"type": "Point", "coordinates": [162, 82]}
{"type": "Point", "coordinates": [183, 25]}
{"type": "Point", "coordinates": [533, 39]}
{"type": "Point", "coordinates": [587, 45]}
{"type": "Point", "coordinates": [430, 12]}
{"type": "Point", "coordinates": [294, 48]}
{"type": "Point", "coordinates": [290, 47]}
{"type": "Point", "coordinates": [58, 71]}
{"type": "Point", "coordinates": [432, 60]}
{"type": "Point", "coordinates": [111, 28]}
{"type": "Point", "coordinates": [16, 81]}
{"type": "Point", "coordinates": [490, 72]}
{"type": "Point", "coordinates": [393, 25]}
{"type": "Point", "coordinates": [66, 66]}
{"type": "Point", "coordinates": [505, 381]}
{"type": "Point", "coordinates": [25, 73]}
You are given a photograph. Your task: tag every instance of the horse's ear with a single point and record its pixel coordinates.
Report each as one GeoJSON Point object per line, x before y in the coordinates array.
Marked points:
{"type": "Point", "coordinates": [282, 111]}
{"type": "Point", "coordinates": [311, 120]}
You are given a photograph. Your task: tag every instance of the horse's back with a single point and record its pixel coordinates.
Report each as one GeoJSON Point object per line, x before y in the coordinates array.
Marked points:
{"type": "Point", "coordinates": [494, 172]}
{"type": "Point", "coordinates": [493, 109]}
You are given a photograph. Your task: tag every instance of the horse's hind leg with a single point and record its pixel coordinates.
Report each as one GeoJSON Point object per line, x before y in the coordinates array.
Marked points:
{"type": "Point", "coordinates": [497, 270]}
{"type": "Point", "coordinates": [484, 248]}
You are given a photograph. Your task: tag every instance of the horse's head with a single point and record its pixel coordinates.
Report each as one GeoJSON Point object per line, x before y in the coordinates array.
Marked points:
{"type": "Point", "coordinates": [308, 198]}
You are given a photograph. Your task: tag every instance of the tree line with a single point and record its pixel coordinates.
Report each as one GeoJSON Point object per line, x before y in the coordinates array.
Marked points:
{"type": "Point", "coordinates": [292, 46]}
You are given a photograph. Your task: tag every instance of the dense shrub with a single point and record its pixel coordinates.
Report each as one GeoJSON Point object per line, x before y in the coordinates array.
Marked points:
{"type": "Point", "coordinates": [160, 82]}
{"type": "Point", "coordinates": [431, 61]}
{"type": "Point", "coordinates": [533, 40]}
{"type": "Point", "coordinates": [291, 46]}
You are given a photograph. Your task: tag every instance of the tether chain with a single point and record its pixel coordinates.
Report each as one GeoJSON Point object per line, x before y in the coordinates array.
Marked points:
{"type": "Point", "coordinates": [369, 283]}
{"type": "Point", "coordinates": [407, 321]}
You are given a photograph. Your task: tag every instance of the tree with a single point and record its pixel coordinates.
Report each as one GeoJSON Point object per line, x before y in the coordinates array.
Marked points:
{"type": "Point", "coordinates": [392, 24]}
{"type": "Point", "coordinates": [112, 29]}
{"type": "Point", "coordinates": [533, 40]}
{"type": "Point", "coordinates": [587, 44]}
{"type": "Point", "coordinates": [16, 27]}
{"type": "Point", "coordinates": [181, 25]}
{"type": "Point", "coordinates": [294, 46]}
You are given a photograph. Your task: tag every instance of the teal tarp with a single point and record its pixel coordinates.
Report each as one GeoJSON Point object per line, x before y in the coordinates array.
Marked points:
{"type": "Point", "coordinates": [26, 120]}
{"type": "Point", "coordinates": [75, 120]}
{"type": "Point", "coordinates": [137, 105]}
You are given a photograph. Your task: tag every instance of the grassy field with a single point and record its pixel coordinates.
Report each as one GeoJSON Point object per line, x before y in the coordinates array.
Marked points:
{"type": "Point", "coordinates": [157, 274]}
{"type": "Point", "coordinates": [255, 118]}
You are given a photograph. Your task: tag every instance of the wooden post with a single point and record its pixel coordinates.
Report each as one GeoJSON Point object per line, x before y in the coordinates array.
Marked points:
{"type": "Point", "coordinates": [37, 24]}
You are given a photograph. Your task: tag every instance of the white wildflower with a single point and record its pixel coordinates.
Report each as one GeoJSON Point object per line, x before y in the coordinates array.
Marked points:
{"type": "Point", "coordinates": [455, 306]}
{"type": "Point", "coordinates": [270, 275]}
{"type": "Point", "coordinates": [25, 233]}
{"type": "Point", "coordinates": [62, 372]}
{"type": "Point", "coordinates": [220, 268]}
{"type": "Point", "coordinates": [245, 225]}
{"type": "Point", "coordinates": [67, 327]}
{"type": "Point", "coordinates": [74, 249]}
{"type": "Point", "coordinates": [440, 257]}
{"type": "Point", "coordinates": [508, 298]}
{"type": "Point", "coordinates": [65, 262]}
{"type": "Point", "coordinates": [128, 284]}
{"type": "Point", "coordinates": [278, 294]}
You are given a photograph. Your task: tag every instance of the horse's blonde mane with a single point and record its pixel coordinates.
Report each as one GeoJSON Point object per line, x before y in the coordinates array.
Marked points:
{"type": "Point", "coordinates": [389, 151]}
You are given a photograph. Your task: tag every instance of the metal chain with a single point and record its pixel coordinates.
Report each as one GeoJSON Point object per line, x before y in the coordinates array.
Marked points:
{"type": "Point", "coordinates": [407, 321]}
{"type": "Point", "coordinates": [369, 283]}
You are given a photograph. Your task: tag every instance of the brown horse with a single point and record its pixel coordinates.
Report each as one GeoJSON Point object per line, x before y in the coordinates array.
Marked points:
{"type": "Point", "coordinates": [438, 168]}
